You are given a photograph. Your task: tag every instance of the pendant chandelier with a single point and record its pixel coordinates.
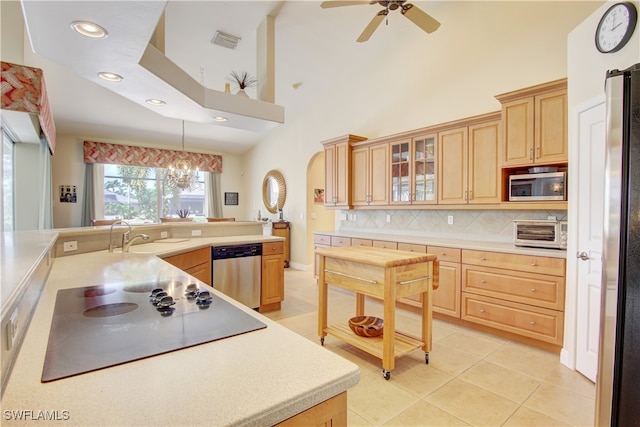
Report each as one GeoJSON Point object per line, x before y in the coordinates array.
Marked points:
{"type": "Point", "coordinates": [181, 175]}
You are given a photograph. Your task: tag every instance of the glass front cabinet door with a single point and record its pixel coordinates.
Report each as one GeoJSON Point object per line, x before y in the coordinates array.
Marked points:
{"type": "Point", "coordinates": [413, 171]}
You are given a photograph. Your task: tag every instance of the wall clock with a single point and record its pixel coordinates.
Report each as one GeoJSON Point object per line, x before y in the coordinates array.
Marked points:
{"type": "Point", "coordinates": [616, 27]}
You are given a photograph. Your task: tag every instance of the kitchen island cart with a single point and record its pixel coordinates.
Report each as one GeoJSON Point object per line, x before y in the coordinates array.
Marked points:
{"type": "Point", "coordinates": [386, 274]}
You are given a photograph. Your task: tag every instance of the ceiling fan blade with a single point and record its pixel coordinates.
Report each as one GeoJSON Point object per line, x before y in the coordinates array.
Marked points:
{"type": "Point", "coordinates": [337, 3]}
{"type": "Point", "coordinates": [420, 18]}
{"type": "Point", "coordinates": [373, 25]}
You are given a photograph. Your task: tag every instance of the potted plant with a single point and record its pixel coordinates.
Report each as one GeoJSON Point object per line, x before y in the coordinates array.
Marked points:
{"type": "Point", "coordinates": [243, 80]}
{"type": "Point", "coordinates": [183, 216]}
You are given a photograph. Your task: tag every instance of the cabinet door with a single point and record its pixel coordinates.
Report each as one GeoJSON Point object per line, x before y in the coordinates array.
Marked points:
{"type": "Point", "coordinates": [424, 170]}
{"type": "Point", "coordinates": [446, 299]}
{"type": "Point", "coordinates": [201, 272]}
{"type": "Point", "coordinates": [272, 279]}
{"type": "Point", "coordinates": [453, 161]}
{"type": "Point", "coordinates": [517, 131]}
{"type": "Point", "coordinates": [360, 178]}
{"type": "Point", "coordinates": [400, 172]}
{"type": "Point", "coordinates": [379, 175]}
{"type": "Point", "coordinates": [316, 259]}
{"type": "Point", "coordinates": [342, 174]}
{"type": "Point", "coordinates": [330, 197]}
{"type": "Point", "coordinates": [484, 149]}
{"type": "Point", "coordinates": [551, 127]}
{"type": "Point", "coordinates": [336, 173]}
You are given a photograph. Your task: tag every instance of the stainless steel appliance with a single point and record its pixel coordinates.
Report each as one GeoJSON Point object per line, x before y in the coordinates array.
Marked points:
{"type": "Point", "coordinates": [236, 272]}
{"type": "Point", "coordinates": [535, 187]}
{"type": "Point", "coordinates": [95, 327]}
{"type": "Point", "coordinates": [618, 378]}
{"type": "Point", "coordinates": [539, 233]}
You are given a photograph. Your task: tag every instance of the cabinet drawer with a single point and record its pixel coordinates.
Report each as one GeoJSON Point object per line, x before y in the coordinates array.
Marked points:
{"type": "Point", "coordinates": [361, 242]}
{"type": "Point", "coordinates": [533, 322]}
{"type": "Point", "coordinates": [340, 241]}
{"type": "Point", "coordinates": [529, 263]}
{"type": "Point", "coordinates": [411, 247]}
{"type": "Point", "coordinates": [322, 239]}
{"type": "Point", "coordinates": [190, 259]}
{"type": "Point", "coordinates": [528, 288]}
{"type": "Point", "coordinates": [272, 248]}
{"type": "Point", "coordinates": [444, 253]}
{"type": "Point", "coordinates": [384, 244]}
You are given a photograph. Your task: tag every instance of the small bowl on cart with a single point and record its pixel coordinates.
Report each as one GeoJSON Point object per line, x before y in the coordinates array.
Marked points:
{"type": "Point", "coordinates": [366, 326]}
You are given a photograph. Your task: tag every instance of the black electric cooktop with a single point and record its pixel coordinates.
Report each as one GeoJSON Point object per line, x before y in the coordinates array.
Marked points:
{"type": "Point", "coordinates": [96, 327]}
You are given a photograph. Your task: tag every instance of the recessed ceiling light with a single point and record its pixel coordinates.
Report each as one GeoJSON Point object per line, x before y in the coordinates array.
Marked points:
{"type": "Point", "coordinates": [156, 102]}
{"type": "Point", "coordinates": [219, 119]}
{"type": "Point", "coordinates": [89, 29]}
{"type": "Point", "coordinates": [110, 77]}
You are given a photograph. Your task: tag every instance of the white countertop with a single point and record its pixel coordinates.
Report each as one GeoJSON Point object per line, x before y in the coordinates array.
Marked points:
{"type": "Point", "coordinates": [257, 378]}
{"type": "Point", "coordinates": [478, 245]}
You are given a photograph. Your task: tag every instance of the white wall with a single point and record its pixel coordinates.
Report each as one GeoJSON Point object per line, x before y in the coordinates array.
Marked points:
{"type": "Point", "coordinates": [454, 73]}
{"type": "Point", "coordinates": [586, 72]}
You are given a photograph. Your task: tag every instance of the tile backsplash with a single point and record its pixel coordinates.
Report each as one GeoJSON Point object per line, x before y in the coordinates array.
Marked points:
{"type": "Point", "coordinates": [488, 225]}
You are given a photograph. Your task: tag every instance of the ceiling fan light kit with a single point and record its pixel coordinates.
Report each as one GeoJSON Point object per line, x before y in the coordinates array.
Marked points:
{"type": "Point", "coordinates": [422, 19]}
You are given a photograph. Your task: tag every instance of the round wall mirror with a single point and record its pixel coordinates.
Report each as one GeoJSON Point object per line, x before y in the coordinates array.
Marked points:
{"type": "Point", "coordinates": [274, 191]}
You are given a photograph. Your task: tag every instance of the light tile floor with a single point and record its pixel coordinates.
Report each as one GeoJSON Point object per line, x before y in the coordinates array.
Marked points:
{"type": "Point", "coordinates": [472, 378]}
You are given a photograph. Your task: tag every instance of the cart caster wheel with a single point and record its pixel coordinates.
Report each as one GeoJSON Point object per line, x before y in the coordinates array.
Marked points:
{"type": "Point", "coordinates": [386, 374]}
{"type": "Point", "coordinates": [426, 358]}
{"type": "Point", "coordinates": [322, 341]}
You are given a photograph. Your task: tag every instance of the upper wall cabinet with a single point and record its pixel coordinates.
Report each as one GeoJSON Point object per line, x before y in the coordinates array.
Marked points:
{"type": "Point", "coordinates": [468, 157]}
{"type": "Point", "coordinates": [534, 124]}
{"type": "Point", "coordinates": [337, 172]}
{"type": "Point", "coordinates": [413, 170]}
{"type": "Point", "coordinates": [370, 175]}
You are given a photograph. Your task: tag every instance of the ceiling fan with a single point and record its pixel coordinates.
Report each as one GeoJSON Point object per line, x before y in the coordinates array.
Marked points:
{"type": "Point", "coordinates": [415, 15]}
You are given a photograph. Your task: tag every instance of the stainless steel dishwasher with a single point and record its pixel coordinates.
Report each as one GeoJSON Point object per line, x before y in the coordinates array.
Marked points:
{"type": "Point", "coordinates": [236, 272]}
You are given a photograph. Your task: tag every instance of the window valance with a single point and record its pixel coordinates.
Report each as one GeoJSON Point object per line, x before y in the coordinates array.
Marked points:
{"type": "Point", "coordinates": [102, 152]}
{"type": "Point", "coordinates": [23, 90]}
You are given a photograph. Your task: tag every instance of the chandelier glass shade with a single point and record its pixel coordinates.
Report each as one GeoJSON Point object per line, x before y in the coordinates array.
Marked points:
{"type": "Point", "coordinates": [181, 175]}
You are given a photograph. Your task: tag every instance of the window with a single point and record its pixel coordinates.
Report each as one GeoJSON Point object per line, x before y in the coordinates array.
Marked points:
{"type": "Point", "coordinates": [7, 190]}
{"type": "Point", "coordinates": [141, 195]}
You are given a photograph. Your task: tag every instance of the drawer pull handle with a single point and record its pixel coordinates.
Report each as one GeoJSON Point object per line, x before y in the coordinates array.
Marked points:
{"type": "Point", "coordinates": [482, 310]}
{"type": "Point", "coordinates": [443, 253]}
{"type": "Point", "coordinates": [414, 280]}
{"type": "Point", "coordinates": [533, 289]}
{"type": "Point", "coordinates": [483, 281]}
{"type": "Point", "coordinates": [533, 264]}
{"type": "Point", "coordinates": [482, 258]}
{"type": "Point", "coordinates": [532, 323]}
{"type": "Point", "coordinates": [337, 273]}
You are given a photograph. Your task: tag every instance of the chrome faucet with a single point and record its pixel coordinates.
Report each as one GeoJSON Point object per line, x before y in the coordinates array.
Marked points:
{"type": "Point", "coordinates": [111, 245]}
{"type": "Point", "coordinates": [126, 241]}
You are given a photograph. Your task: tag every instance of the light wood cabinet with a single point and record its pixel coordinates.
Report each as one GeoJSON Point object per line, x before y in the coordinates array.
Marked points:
{"type": "Point", "coordinates": [272, 285]}
{"type": "Point", "coordinates": [413, 170]}
{"type": "Point", "coordinates": [319, 241]}
{"type": "Point", "coordinates": [337, 174]}
{"type": "Point", "coordinates": [446, 299]}
{"type": "Point", "coordinates": [196, 263]}
{"type": "Point", "coordinates": [469, 159]}
{"type": "Point", "coordinates": [330, 413]}
{"type": "Point", "coordinates": [535, 125]}
{"type": "Point", "coordinates": [283, 229]}
{"type": "Point", "coordinates": [385, 244]}
{"type": "Point", "coordinates": [370, 175]}
{"type": "Point", "coordinates": [520, 294]}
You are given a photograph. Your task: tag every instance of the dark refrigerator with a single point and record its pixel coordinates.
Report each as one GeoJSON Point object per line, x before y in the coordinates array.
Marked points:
{"type": "Point", "coordinates": [618, 380]}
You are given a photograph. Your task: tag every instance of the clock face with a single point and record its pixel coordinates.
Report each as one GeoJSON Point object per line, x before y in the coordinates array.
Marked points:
{"type": "Point", "coordinates": [616, 27]}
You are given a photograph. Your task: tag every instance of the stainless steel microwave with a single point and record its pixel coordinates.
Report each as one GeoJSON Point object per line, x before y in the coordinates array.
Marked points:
{"type": "Point", "coordinates": [540, 233]}
{"type": "Point", "coordinates": [538, 187]}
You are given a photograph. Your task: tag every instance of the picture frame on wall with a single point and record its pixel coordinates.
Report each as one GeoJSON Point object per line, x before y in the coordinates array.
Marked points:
{"type": "Point", "coordinates": [318, 195]}
{"type": "Point", "coordinates": [68, 194]}
{"type": "Point", "coordinates": [230, 198]}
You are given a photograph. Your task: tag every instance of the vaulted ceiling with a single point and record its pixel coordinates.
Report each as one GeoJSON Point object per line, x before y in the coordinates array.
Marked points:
{"type": "Point", "coordinates": [313, 48]}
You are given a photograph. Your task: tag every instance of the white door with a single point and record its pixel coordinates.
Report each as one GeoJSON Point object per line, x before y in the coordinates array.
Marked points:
{"type": "Point", "coordinates": [591, 147]}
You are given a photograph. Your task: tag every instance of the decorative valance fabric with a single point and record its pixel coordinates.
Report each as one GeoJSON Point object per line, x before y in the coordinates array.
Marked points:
{"type": "Point", "coordinates": [23, 89]}
{"type": "Point", "coordinates": [102, 152]}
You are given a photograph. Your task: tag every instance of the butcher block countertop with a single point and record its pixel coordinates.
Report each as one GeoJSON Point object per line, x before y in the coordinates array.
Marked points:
{"type": "Point", "coordinates": [258, 378]}
{"type": "Point", "coordinates": [375, 256]}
